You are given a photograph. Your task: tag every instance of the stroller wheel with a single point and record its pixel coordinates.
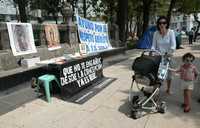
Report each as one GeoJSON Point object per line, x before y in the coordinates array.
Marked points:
{"type": "Point", "coordinates": [135, 99]}
{"type": "Point", "coordinates": [136, 114]}
{"type": "Point", "coordinates": [162, 108]}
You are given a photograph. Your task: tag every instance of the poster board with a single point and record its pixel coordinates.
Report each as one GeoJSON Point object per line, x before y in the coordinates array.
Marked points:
{"type": "Point", "coordinates": [21, 38]}
{"type": "Point", "coordinates": [93, 34]}
{"type": "Point", "coordinates": [52, 36]}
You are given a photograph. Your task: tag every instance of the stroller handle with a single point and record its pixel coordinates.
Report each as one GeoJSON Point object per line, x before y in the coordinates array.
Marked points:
{"type": "Point", "coordinates": [151, 52]}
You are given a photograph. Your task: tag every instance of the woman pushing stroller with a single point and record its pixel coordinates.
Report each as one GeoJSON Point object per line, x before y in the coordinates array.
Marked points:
{"type": "Point", "coordinates": [164, 41]}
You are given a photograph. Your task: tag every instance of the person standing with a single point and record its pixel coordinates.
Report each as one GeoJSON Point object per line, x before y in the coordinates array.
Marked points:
{"type": "Point", "coordinates": [178, 38]}
{"type": "Point", "coordinates": [190, 36]}
{"type": "Point", "coordinates": [188, 73]}
{"type": "Point", "coordinates": [165, 42]}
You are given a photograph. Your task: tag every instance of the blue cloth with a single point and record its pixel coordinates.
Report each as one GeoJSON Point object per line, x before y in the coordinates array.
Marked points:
{"type": "Point", "coordinates": [146, 41]}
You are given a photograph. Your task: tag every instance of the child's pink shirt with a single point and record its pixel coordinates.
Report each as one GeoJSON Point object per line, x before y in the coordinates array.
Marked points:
{"type": "Point", "coordinates": [188, 72]}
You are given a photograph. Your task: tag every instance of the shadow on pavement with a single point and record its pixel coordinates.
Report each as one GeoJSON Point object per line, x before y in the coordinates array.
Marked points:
{"type": "Point", "coordinates": [15, 98]}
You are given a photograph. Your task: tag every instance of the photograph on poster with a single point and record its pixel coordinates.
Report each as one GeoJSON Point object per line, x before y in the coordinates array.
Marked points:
{"type": "Point", "coordinates": [21, 38]}
{"type": "Point", "coordinates": [52, 36]}
{"type": "Point", "coordinates": [82, 47]}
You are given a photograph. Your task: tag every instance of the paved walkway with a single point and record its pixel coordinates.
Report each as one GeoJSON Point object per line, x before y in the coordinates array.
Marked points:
{"type": "Point", "coordinates": [110, 107]}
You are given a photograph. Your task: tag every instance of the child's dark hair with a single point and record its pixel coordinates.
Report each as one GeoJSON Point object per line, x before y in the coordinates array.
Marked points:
{"type": "Point", "coordinates": [188, 55]}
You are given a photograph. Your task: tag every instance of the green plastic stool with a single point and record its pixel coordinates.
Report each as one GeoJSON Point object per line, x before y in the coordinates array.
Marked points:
{"type": "Point", "coordinates": [46, 80]}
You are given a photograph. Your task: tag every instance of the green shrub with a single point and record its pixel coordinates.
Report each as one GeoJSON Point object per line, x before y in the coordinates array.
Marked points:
{"type": "Point", "coordinates": [131, 44]}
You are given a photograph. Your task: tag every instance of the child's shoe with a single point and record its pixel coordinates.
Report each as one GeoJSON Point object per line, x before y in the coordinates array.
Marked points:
{"type": "Point", "coordinates": [183, 105]}
{"type": "Point", "coordinates": [187, 109]}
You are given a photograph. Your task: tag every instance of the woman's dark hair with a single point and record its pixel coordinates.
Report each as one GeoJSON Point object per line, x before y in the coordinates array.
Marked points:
{"type": "Point", "coordinates": [159, 19]}
{"type": "Point", "coordinates": [188, 55]}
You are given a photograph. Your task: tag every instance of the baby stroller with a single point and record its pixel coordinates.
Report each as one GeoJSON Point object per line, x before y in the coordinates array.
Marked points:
{"type": "Point", "coordinates": [150, 70]}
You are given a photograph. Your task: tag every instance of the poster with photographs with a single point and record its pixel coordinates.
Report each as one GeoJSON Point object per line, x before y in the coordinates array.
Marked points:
{"type": "Point", "coordinates": [21, 38]}
{"type": "Point", "coordinates": [52, 36]}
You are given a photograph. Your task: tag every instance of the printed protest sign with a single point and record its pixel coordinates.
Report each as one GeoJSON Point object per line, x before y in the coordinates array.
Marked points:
{"type": "Point", "coordinates": [81, 73]}
{"type": "Point", "coordinates": [21, 38]}
{"type": "Point", "coordinates": [52, 36]}
{"type": "Point", "coordinates": [93, 34]}
{"type": "Point", "coordinates": [78, 74]}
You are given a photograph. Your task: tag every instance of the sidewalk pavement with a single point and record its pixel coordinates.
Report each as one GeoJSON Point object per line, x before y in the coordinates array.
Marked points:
{"type": "Point", "coordinates": [110, 107]}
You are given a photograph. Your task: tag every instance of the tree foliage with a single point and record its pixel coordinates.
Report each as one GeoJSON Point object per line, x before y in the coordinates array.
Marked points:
{"type": "Point", "coordinates": [139, 11]}
{"type": "Point", "coordinates": [105, 8]}
{"type": "Point", "coordinates": [122, 20]}
{"type": "Point", "coordinates": [52, 7]}
{"type": "Point", "coordinates": [143, 11]}
{"type": "Point", "coordinates": [191, 7]}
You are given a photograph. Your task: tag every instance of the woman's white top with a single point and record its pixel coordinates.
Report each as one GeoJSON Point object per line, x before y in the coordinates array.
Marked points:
{"type": "Point", "coordinates": [166, 43]}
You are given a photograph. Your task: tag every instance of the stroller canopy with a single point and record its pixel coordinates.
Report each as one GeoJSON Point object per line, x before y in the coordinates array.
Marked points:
{"type": "Point", "coordinates": [146, 41]}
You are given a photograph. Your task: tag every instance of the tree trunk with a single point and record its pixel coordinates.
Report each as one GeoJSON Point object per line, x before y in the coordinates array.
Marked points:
{"type": "Point", "coordinates": [139, 24]}
{"type": "Point", "coordinates": [146, 12]}
{"type": "Point", "coordinates": [127, 33]}
{"type": "Point", "coordinates": [111, 13]}
{"type": "Point", "coordinates": [56, 19]}
{"type": "Point", "coordinates": [122, 20]}
{"type": "Point", "coordinates": [198, 26]}
{"type": "Point", "coordinates": [73, 4]}
{"type": "Point", "coordinates": [84, 9]}
{"type": "Point", "coordinates": [171, 6]}
{"type": "Point", "coordinates": [134, 29]}
{"type": "Point", "coordinates": [22, 10]}
{"type": "Point", "coordinates": [130, 25]}
{"type": "Point", "coordinates": [196, 32]}
{"type": "Point", "coordinates": [145, 17]}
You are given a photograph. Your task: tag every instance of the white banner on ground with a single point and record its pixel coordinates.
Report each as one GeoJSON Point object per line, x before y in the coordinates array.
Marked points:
{"type": "Point", "coordinates": [21, 38]}
{"type": "Point", "coordinates": [93, 34]}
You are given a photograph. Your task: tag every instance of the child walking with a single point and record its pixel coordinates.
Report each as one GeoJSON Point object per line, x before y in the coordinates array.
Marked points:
{"type": "Point", "coordinates": [188, 73]}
